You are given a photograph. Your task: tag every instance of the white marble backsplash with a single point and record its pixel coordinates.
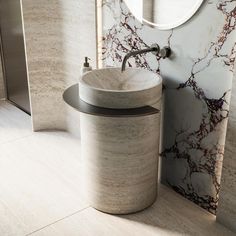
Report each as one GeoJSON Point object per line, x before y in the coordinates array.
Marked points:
{"type": "Point", "coordinates": [197, 84]}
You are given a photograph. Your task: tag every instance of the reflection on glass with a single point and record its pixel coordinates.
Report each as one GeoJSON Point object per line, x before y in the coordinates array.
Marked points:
{"type": "Point", "coordinates": [164, 14]}
{"type": "Point", "coordinates": [148, 10]}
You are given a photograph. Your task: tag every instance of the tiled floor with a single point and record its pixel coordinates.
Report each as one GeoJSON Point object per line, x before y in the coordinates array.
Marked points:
{"type": "Point", "coordinates": [41, 191]}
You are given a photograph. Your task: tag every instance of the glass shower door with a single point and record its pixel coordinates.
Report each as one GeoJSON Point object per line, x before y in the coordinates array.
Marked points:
{"type": "Point", "coordinates": [13, 54]}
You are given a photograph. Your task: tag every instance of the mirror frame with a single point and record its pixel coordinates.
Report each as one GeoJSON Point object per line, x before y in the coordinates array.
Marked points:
{"type": "Point", "coordinates": [170, 26]}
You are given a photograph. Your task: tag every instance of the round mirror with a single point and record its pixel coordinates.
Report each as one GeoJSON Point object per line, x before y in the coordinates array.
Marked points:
{"type": "Point", "coordinates": [163, 14]}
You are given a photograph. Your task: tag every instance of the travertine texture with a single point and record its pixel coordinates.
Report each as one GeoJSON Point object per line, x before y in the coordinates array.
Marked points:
{"type": "Point", "coordinates": [2, 95]}
{"type": "Point", "coordinates": [197, 79]}
{"type": "Point", "coordinates": [58, 34]}
{"type": "Point", "coordinates": [120, 156]}
{"type": "Point", "coordinates": [227, 205]}
{"type": "Point", "coordinates": [112, 88]}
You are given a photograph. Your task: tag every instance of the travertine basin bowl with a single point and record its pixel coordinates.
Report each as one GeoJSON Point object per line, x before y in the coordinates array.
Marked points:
{"type": "Point", "coordinates": [111, 88]}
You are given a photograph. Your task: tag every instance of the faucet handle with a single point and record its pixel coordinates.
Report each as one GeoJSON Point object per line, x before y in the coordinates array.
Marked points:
{"type": "Point", "coordinates": [165, 52]}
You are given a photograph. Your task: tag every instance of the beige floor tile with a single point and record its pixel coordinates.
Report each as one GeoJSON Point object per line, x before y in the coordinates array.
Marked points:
{"type": "Point", "coordinates": [41, 191]}
{"type": "Point", "coordinates": [170, 215]}
{"type": "Point", "coordinates": [39, 182]}
{"type": "Point", "coordinates": [14, 123]}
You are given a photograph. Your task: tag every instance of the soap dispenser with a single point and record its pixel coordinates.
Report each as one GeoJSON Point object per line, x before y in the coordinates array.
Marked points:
{"type": "Point", "coordinates": [86, 67]}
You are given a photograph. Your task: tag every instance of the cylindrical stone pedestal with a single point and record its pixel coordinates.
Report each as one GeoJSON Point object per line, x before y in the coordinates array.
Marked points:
{"type": "Point", "coordinates": [120, 158]}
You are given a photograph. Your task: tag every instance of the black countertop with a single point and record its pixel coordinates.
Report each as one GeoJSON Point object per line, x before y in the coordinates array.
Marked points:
{"type": "Point", "coordinates": [71, 97]}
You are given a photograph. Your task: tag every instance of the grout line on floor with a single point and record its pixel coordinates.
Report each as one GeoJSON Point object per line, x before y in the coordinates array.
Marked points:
{"type": "Point", "coordinates": [16, 139]}
{"type": "Point", "coordinates": [58, 221]}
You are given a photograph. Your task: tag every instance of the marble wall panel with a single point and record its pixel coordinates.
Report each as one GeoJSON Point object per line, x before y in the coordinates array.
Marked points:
{"type": "Point", "coordinates": [197, 84]}
{"type": "Point", "coordinates": [58, 35]}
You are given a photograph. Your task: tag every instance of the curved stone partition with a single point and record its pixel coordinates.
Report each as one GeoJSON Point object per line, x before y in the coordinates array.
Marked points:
{"type": "Point", "coordinates": [57, 40]}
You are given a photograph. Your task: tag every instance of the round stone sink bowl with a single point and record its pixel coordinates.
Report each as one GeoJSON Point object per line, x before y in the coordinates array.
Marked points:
{"type": "Point", "coordinates": [111, 88]}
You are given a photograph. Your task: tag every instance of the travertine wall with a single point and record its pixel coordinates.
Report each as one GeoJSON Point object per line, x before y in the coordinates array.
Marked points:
{"type": "Point", "coordinates": [58, 35]}
{"type": "Point", "coordinates": [227, 205]}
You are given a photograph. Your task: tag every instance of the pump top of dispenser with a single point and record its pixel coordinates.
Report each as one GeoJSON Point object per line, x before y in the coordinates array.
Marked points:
{"type": "Point", "coordinates": [86, 62]}
{"type": "Point", "coordinates": [86, 66]}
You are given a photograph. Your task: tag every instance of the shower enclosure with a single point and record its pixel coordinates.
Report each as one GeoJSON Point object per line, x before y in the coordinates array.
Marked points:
{"type": "Point", "coordinates": [13, 54]}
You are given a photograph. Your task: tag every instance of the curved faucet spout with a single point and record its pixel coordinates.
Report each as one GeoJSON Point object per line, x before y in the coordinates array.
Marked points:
{"type": "Point", "coordinates": [155, 49]}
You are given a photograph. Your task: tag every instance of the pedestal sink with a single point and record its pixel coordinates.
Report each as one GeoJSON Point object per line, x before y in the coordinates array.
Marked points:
{"type": "Point", "coordinates": [120, 127]}
{"type": "Point", "coordinates": [111, 88]}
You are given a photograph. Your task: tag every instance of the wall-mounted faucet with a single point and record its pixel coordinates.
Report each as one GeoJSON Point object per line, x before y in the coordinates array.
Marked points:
{"type": "Point", "coordinates": [155, 49]}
